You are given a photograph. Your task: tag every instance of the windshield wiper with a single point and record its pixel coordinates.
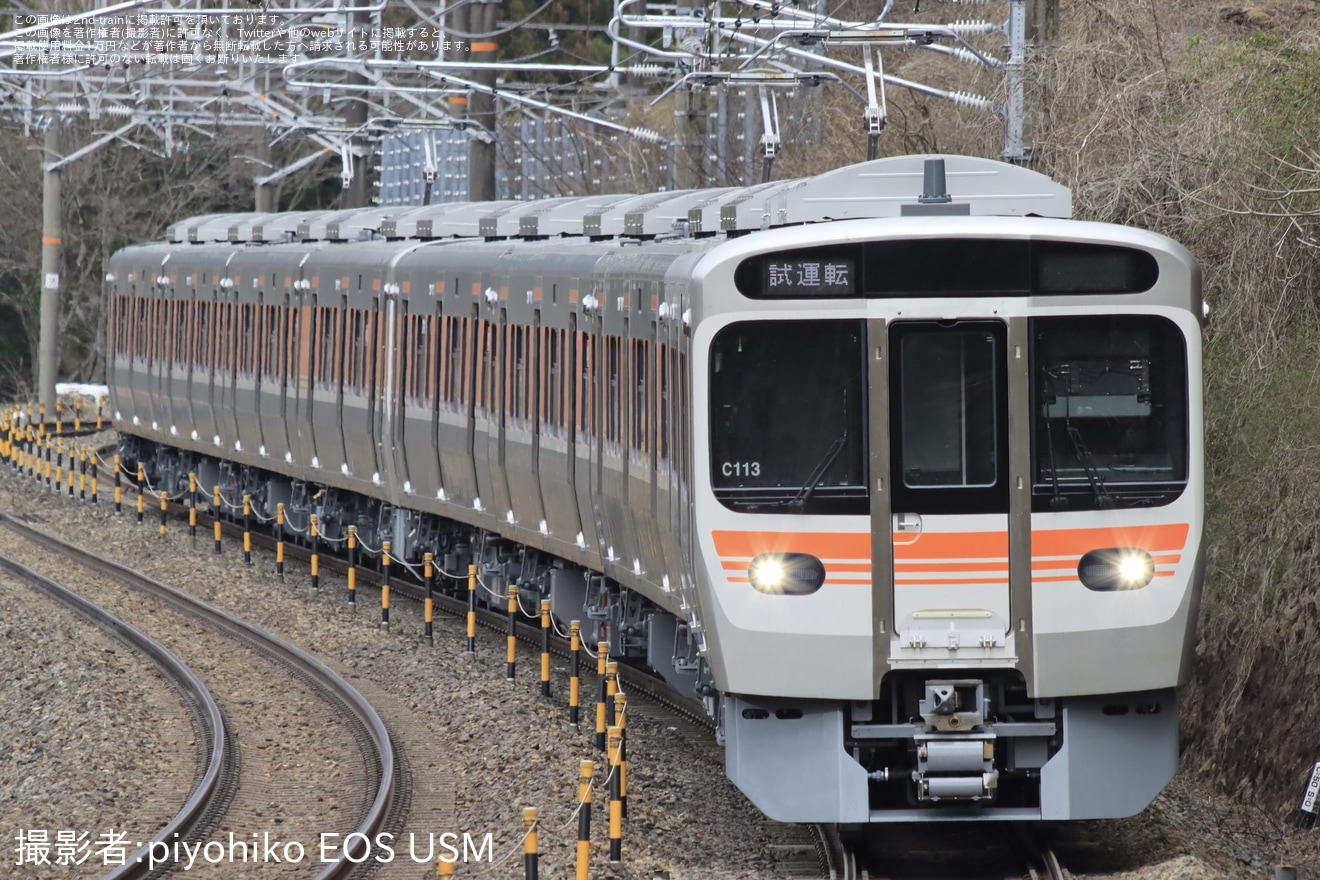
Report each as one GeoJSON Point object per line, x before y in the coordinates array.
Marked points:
{"type": "Point", "coordinates": [799, 500]}
{"type": "Point", "coordinates": [1058, 502]}
{"type": "Point", "coordinates": [1103, 500]}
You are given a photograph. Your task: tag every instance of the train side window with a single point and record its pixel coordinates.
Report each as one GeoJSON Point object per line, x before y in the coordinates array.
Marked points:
{"type": "Point", "coordinates": [429, 367]}
{"type": "Point", "coordinates": [465, 376]}
{"type": "Point", "coordinates": [449, 361]}
{"type": "Point", "coordinates": [640, 410]}
{"type": "Point", "coordinates": [321, 317]}
{"type": "Point", "coordinates": [588, 353]}
{"type": "Point", "coordinates": [662, 367]}
{"type": "Point", "coordinates": [222, 338]}
{"type": "Point", "coordinates": [553, 394]}
{"type": "Point", "coordinates": [202, 335]}
{"type": "Point", "coordinates": [291, 339]}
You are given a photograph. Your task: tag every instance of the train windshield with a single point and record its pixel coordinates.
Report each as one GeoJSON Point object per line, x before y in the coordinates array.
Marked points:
{"type": "Point", "coordinates": [788, 416]}
{"type": "Point", "coordinates": [1109, 406]}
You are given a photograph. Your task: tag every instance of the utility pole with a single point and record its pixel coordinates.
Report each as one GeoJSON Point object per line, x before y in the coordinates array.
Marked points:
{"type": "Point", "coordinates": [481, 105]}
{"type": "Point", "coordinates": [52, 250]}
{"type": "Point", "coordinates": [1032, 25]}
{"type": "Point", "coordinates": [357, 194]}
{"type": "Point", "coordinates": [266, 194]}
{"type": "Point", "coordinates": [1042, 23]}
{"type": "Point", "coordinates": [691, 109]}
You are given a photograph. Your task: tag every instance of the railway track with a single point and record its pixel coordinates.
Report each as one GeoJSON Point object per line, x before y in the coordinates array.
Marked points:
{"type": "Point", "coordinates": [805, 851]}
{"type": "Point", "coordinates": [813, 850]}
{"type": "Point", "coordinates": [996, 851]}
{"type": "Point", "coordinates": [215, 756]}
{"type": "Point", "coordinates": [302, 753]}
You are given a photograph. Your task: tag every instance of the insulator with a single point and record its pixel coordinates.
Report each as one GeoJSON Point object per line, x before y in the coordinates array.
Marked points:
{"type": "Point", "coordinates": [967, 99]}
{"type": "Point", "coordinates": [116, 110]}
{"type": "Point", "coordinates": [649, 70]}
{"type": "Point", "coordinates": [647, 134]}
{"type": "Point", "coordinates": [972, 28]}
{"type": "Point", "coordinates": [971, 57]}
{"type": "Point", "coordinates": [70, 109]}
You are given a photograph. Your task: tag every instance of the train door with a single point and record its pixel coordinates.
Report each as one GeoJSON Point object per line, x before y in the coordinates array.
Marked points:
{"type": "Point", "coordinates": [949, 467]}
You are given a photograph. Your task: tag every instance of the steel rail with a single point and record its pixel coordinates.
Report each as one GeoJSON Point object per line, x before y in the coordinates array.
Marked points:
{"type": "Point", "coordinates": [331, 685]}
{"type": "Point", "coordinates": [201, 704]}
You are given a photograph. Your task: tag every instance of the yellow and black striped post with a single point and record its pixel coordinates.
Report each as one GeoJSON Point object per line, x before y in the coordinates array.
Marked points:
{"type": "Point", "coordinates": [316, 557]}
{"type": "Point", "coordinates": [77, 414]}
{"type": "Point", "coordinates": [50, 452]}
{"type": "Point", "coordinates": [141, 490]}
{"type": "Point", "coordinates": [611, 688]}
{"type": "Point", "coordinates": [247, 529]}
{"type": "Point", "coordinates": [428, 608]}
{"type": "Point", "coordinates": [94, 463]}
{"type": "Point", "coordinates": [216, 502]}
{"type": "Point", "coordinates": [575, 673]}
{"type": "Point", "coordinates": [68, 475]}
{"type": "Point", "coordinates": [444, 867]}
{"type": "Point", "coordinates": [621, 721]}
{"type": "Point", "coordinates": [59, 464]}
{"type": "Point", "coordinates": [352, 568]}
{"type": "Point", "coordinates": [530, 844]}
{"type": "Point", "coordinates": [119, 490]}
{"type": "Point", "coordinates": [192, 509]}
{"type": "Point", "coordinates": [385, 586]}
{"type": "Point", "coordinates": [279, 539]}
{"type": "Point", "coordinates": [602, 657]}
{"type": "Point", "coordinates": [164, 511]}
{"type": "Point", "coordinates": [545, 647]}
{"type": "Point", "coordinates": [513, 640]}
{"type": "Point", "coordinates": [59, 416]}
{"type": "Point", "coordinates": [616, 806]}
{"type": "Point", "coordinates": [100, 413]}
{"type": "Point", "coordinates": [82, 473]}
{"type": "Point", "coordinates": [472, 610]}
{"type": "Point", "coordinates": [586, 770]}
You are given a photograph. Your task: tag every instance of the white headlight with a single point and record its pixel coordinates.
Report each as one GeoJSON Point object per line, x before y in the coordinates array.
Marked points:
{"type": "Point", "coordinates": [767, 575]}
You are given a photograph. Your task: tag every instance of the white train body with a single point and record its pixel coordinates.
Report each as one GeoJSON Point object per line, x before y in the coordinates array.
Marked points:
{"type": "Point", "coordinates": [908, 488]}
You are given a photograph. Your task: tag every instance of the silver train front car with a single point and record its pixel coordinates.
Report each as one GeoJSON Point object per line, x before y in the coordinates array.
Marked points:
{"type": "Point", "coordinates": [906, 486]}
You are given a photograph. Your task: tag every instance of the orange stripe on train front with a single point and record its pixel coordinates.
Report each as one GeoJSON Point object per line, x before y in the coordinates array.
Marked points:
{"type": "Point", "coordinates": [822, 545]}
{"type": "Point", "coordinates": [1076, 542]}
{"type": "Point", "coordinates": [950, 545]}
{"type": "Point", "coordinates": [919, 567]}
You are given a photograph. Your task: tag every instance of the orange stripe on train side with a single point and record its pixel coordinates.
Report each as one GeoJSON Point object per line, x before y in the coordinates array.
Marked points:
{"type": "Point", "coordinates": [1076, 542]}
{"type": "Point", "coordinates": [824, 545]}
{"type": "Point", "coordinates": [830, 567]}
{"type": "Point", "coordinates": [953, 545]}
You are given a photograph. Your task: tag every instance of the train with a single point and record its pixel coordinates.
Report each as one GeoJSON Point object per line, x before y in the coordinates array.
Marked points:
{"type": "Point", "coordinates": [897, 469]}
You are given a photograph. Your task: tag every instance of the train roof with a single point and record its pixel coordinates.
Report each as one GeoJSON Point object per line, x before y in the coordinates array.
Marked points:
{"type": "Point", "coordinates": [892, 187]}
